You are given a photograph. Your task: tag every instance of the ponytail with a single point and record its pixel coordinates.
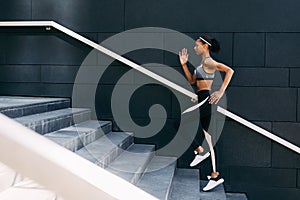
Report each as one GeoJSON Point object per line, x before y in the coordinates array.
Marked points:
{"type": "Point", "coordinates": [213, 44]}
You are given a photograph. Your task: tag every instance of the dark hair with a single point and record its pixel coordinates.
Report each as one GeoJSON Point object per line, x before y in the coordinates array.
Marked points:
{"type": "Point", "coordinates": [215, 45]}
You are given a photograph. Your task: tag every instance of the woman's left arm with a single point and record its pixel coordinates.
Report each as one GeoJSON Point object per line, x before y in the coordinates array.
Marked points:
{"type": "Point", "coordinates": [217, 95]}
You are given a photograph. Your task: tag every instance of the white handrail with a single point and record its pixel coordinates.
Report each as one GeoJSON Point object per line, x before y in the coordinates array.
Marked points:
{"type": "Point", "coordinates": [59, 169]}
{"type": "Point", "coordinates": [259, 129]}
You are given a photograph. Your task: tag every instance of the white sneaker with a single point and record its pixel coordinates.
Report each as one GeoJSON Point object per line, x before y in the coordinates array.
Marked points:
{"type": "Point", "coordinates": [212, 183]}
{"type": "Point", "coordinates": [198, 159]}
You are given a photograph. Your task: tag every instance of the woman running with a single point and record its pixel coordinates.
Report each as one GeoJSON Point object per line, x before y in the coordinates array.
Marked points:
{"type": "Point", "coordinates": [203, 76]}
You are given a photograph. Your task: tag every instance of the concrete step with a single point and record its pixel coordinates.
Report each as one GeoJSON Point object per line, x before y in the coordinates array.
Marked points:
{"type": "Point", "coordinates": [185, 185]}
{"type": "Point", "coordinates": [236, 196]}
{"type": "Point", "coordinates": [21, 106]}
{"type": "Point", "coordinates": [80, 135]}
{"type": "Point", "coordinates": [217, 193]}
{"type": "Point", "coordinates": [54, 120]}
{"type": "Point", "coordinates": [131, 164]}
{"type": "Point", "coordinates": [158, 176]}
{"type": "Point", "coordinates": [107, 148]}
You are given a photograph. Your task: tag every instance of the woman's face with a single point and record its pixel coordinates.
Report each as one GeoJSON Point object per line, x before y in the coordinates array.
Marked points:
{"type": "Point", "coordinates": [199, 47]}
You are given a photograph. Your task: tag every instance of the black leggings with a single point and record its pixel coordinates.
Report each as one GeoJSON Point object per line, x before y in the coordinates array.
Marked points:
{"type": "Point", "coordinates": [205, 117]}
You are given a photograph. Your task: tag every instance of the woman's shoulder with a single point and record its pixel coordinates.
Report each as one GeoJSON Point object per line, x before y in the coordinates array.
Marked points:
{"type": "Point", "coordinates": [210, 62]}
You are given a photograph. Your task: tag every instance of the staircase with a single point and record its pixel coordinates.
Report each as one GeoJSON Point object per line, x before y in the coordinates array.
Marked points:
{"type": "Point", "coordinates": [97, 142]}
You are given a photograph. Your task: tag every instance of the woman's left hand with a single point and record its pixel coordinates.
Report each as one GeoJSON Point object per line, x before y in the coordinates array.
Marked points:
{"type": "Point", "coordinates": [215, 97]}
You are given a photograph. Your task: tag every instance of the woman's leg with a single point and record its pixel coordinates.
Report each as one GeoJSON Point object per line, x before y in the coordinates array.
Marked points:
{"type": "Point", "coordinates": [186, 122]}
{"type": "Point", "coordinates": [214, 179]}
{"type": "Point", "coordinates": [205, 121]}
{"type": "Point", "coordinates": [212, 154]}
{"type": "Point", "coordinates": [205, 115]}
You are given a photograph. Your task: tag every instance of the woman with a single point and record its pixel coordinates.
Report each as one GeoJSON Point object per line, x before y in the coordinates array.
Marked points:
{"type": "Point", "coordinates": [203, 76]}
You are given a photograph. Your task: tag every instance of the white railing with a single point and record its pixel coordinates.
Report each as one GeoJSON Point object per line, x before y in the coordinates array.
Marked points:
{"type": "Point", "coordinates": [259, 129]}
{"type": "Point", "coordinates": [58, 169]}
{"type": "Point", "coordinates": [87, 175]}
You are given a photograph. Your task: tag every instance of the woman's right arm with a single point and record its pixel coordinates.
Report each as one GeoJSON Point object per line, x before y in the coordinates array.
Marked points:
{"type": "Point", "coordinates": [183, 57]}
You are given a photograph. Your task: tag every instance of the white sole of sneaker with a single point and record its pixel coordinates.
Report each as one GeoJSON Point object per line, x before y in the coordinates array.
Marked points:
{"type": "Point", "coordinates": [212, 185]}
{"type": "Point", "coordinates": [196, 162]}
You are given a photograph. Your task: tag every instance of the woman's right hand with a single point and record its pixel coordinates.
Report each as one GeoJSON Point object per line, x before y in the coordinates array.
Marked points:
{"type": "Point", "coordinates": [183, 56]}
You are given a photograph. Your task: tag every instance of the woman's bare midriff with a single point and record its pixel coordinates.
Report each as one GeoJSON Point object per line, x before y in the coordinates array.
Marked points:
{"type": "Point", "coordinates": [204, 84]}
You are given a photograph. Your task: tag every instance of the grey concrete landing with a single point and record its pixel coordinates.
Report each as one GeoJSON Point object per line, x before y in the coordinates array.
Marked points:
{"type": "Point", "coordinates": [106, 149]}
{"type": "Point", "coordinates": [157, 179]}
{"type": "Point", "coordinates": [54, 120]}
{"type": "Point", "coordinates": [21, 106]}
{"type": "Point", "coordinates": [131, 164]}
{"type": "Point", "coordinates": [80, 135]}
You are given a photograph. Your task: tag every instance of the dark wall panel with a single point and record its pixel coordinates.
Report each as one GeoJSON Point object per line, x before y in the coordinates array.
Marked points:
{"type": "Point", "coordinates": [150, 95]}
{"type": "Point", "coordinates": [20, 73]}
{"type": "Point", "coordinates": [161, 138]}
{"type": "Point", "coordinates": [295, 78]}
{"type": "Point", "coordinates": [283, 157]}
{"type": "Point", "coordinates": [264, 177]}
{"type": "Point", "coordinates": [249, 49]}
{"type": "Point", "coordinates": [298, 178]}
{"type": "Point", "coordinates": [258, 103]}
{"type": "Point", "coordinates": [216, 16]}
{"type": "Point", "coordinates": [27, 89]}
{"type": "Point", "coordinates": [144, 56]}
{"type": "Point", "coordinates": [84, 16]}
{"type": "Point", "coordinates": [58, 74]}
{"type": "Point", "coordinates": [15, 10]}
{"type": "Point", "coordinates": [282, 50]}
{"type": "Point", "coordinates": [44, 49]}
{"type": "Point", "coordinates": [117, 75]}
{"type": "Point", "coordinates": [2, 49]}
{"type": "Point", "coordinates": [57, 90]}
{"type": "Point", "coordinates": [241, 146]}
{"type": "Point", "coordinates": [260, 77]}
{"type": "Point", "coordinates": [288, 131]}
{"type": "Point", "coordinates": [298, 103]}
{"type": "Point", "coordinates": [103, 99]}
{"type": "Point", "coordinates": [266, 193]}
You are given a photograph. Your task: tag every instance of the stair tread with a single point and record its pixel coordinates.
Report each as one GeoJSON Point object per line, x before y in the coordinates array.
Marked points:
{"type": "Point", "coordinates": [54, 120]}
{"type": "Point", "coordinates": [51, 114]}
{"type": "Point", "coordinates": [158, 176]}
{"type": "Point", "coordinates": [13, 102]}
{"type": "Point", "coordinates": [131, 163]}
{"type": "Point", "coordinates": [76, 136]}
{"type": "Point", "coordinates": [103, 147]}
{"type": "Point", "coordinates": [236, 196]}
{"type": "Point", "coordinates": [22, 106]}
{"type": "Point", "coordinates": [85, 126]}
{"type": "Point", "coordinates": [185, 185]}
{"type": "Point", "coordinates": [216, 193]}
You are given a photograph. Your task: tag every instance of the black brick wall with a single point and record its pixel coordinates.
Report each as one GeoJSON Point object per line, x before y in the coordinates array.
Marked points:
{"type": "Point", "coordinates": [259, 39]}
